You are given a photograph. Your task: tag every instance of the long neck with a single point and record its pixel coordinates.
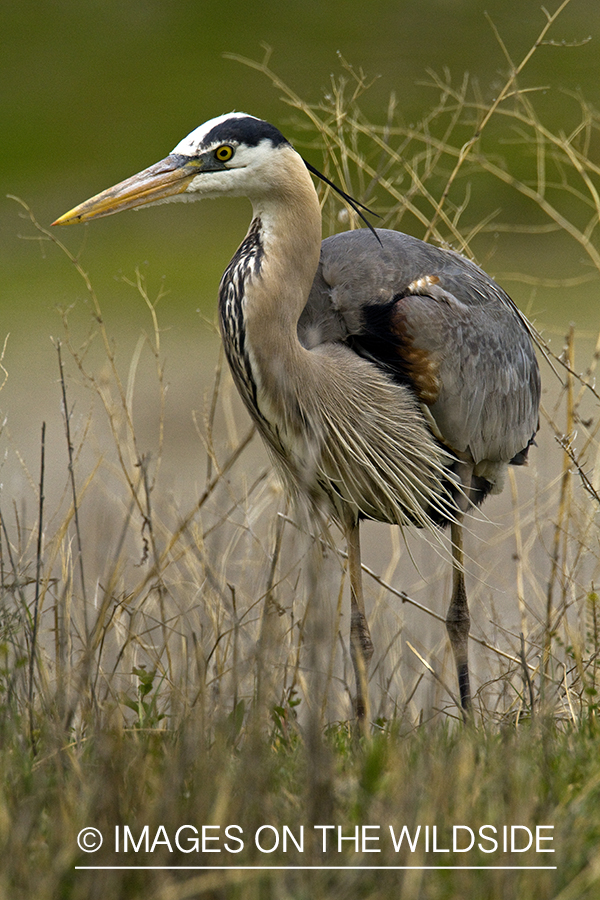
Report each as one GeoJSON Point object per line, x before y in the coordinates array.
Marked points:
{"type": "Point", "coordinates": [264, 291]}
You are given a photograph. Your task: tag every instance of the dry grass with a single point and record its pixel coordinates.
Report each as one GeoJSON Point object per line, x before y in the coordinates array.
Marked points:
{"type": "Point", "coordinates": [175, 658]}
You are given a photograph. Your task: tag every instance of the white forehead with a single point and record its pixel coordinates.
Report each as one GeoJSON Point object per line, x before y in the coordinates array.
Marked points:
{"type": "Point", "coordinates": [196, 138]}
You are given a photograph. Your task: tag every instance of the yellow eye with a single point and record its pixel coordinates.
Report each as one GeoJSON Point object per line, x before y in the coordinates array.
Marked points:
{"type": "Point", "coordinates": [224, 152]}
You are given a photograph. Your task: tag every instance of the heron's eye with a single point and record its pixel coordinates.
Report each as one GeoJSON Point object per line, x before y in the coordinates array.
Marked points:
{"type": "Point", "coordinates": [224, 152]}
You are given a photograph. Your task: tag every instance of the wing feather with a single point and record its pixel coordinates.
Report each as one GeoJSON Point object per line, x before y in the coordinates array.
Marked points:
{"type": "Point", "coordinates": [438, 323]}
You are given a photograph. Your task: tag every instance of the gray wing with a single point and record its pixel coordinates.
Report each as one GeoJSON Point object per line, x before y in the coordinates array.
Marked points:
{"type": "Point", "coordinates": [437, 323]}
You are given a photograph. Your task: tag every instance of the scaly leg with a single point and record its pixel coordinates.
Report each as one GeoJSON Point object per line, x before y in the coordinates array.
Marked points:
{"type": "Point", "coordinates": [457, 619]}
{"type": "Point", "coordinates": [361, 646]}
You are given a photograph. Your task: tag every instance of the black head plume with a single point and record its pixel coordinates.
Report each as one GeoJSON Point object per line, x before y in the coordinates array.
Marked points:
{"type": "Point", "coordinates": [356, 206]}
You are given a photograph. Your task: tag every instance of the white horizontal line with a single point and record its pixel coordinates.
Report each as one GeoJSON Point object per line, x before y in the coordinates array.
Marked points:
{"type": "Point", "coordinates": [287, 868]}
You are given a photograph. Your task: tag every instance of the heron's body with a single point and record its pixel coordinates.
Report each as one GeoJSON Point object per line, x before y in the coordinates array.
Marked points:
{"type": "Point", "coordinates": [390, 379]}
{"type": "Point", "coordinates": [319, 404]}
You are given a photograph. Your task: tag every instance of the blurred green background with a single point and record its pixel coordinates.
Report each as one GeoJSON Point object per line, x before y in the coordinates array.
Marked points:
{"type": "Point", "coordinates": [92, 92]}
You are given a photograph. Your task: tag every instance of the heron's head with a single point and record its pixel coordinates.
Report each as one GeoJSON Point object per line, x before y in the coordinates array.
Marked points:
{"type": "Point", "coordinates": [234, 155]}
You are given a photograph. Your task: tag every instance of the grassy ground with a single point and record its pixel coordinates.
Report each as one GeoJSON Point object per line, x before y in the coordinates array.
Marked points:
{"type": "Point", "coordinates": [530, 776]}
{"type": "Point", "coordinates": [170, 652]}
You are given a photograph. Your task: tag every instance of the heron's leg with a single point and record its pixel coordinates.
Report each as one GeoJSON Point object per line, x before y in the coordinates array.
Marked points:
{"type": "Point", "coordinates": [361, 646]}
{"type": "Point", "coordinates": [457, 619]}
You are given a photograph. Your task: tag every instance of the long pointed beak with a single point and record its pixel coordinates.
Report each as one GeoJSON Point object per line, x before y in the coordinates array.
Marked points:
{"type": "Point", "coordinates": [164, 179]}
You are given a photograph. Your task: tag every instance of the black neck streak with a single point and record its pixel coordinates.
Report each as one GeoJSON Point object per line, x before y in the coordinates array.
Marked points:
{"type": "Point", "coordinates": [245, 265]}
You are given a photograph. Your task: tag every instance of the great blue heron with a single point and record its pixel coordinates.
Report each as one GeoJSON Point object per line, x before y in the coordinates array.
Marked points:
{"type": "Point", "coordinates": [390, 379]}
